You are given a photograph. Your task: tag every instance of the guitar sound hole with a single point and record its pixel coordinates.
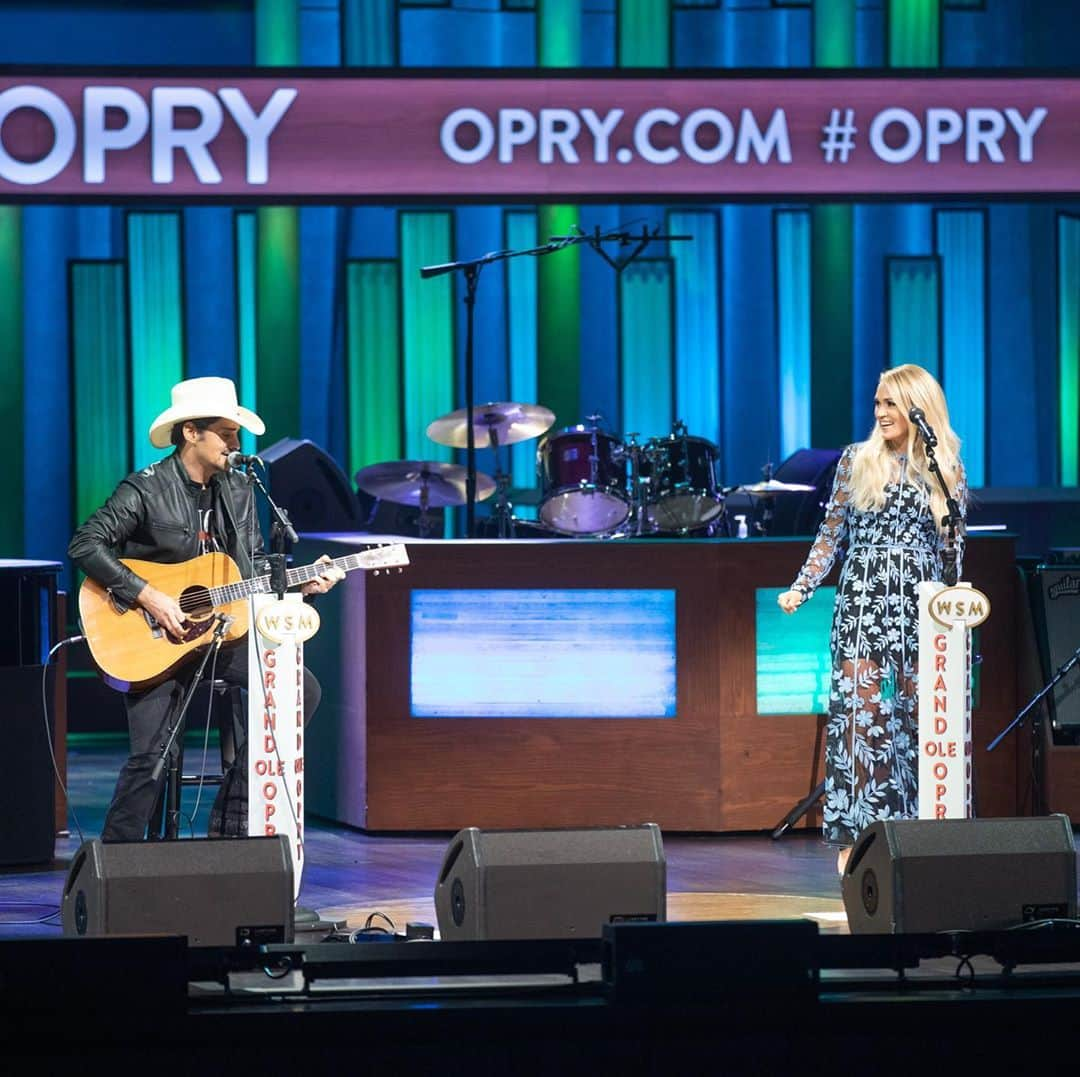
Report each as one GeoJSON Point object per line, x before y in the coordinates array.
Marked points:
{"type": "Point", "coordinates": [196, 604]}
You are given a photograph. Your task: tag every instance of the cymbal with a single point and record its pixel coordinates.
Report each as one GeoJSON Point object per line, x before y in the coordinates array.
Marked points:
{"type": "Point", "coordinates": [508, 421]}
{"type": "Point", "coordinates": [404, 482]}
{"type": "Point", "coordinates": [774, 486]}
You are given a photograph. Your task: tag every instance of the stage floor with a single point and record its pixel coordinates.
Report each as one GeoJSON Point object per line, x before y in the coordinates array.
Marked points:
{"type": "Point", "coordinates": [351, 874]}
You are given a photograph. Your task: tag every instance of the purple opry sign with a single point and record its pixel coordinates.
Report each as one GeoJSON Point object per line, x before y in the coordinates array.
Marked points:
{"type": "Point", "coordinates": [289, 138]}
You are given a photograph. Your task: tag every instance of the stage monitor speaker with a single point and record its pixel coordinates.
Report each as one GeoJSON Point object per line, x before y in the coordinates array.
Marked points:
{"type": "Point", "coordinates": [310, 486]}
{"type": "Point", "coordinates": [26, 792]}
{"type": "Point", "coordinates": [550, 884]}
{"type": "Point", "coordinates": [910, 876]}
{"type": "Point", "coordinates": [1057, 600]}
{"type": "Point", "coordinates": [217, 892]}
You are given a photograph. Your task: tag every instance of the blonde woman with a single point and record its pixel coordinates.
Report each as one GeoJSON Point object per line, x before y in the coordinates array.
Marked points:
{"type": "Point", "coordinates": [886, 512]}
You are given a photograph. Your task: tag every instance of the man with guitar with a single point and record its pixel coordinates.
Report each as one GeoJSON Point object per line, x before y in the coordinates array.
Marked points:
{"type": "Point", "coordinates": [189, 504]}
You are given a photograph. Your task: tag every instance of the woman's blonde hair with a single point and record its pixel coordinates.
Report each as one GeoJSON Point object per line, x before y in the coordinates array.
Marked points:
{"type": "Point", "coordinates": [872, 468]}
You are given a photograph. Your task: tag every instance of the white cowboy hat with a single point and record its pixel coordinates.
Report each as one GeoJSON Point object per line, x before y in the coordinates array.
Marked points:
{"type": "Point", "coordinates": [202, 398]}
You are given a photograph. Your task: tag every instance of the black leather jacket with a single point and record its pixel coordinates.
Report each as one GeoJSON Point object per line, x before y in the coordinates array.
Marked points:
{"type": "Point", "coordinates": [153, 515]}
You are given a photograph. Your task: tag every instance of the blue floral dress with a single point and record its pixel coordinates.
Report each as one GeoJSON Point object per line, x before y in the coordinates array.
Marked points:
{"type": "Point", "coordinates": [872, 740]}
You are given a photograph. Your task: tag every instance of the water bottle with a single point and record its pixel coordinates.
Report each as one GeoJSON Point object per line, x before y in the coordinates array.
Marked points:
{"type": "Point", "coordinates": [741, 530]}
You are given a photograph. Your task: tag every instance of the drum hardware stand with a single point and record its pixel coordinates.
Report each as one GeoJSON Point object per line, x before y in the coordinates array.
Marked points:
{"type": "Point", "coordinates": [638, 500]}
{"type": "Point", "coordinates": [471, 269]}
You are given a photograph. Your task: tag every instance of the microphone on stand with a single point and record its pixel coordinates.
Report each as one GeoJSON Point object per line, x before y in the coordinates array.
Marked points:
{"type": "Point", "coordinates": [239, 459]}
{"type": "Point", "coordinates": [919, 419]}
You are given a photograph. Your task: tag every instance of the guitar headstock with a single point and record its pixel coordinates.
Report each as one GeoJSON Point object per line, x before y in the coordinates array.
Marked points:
{"type": "Point", "coordinates": [393, 555]}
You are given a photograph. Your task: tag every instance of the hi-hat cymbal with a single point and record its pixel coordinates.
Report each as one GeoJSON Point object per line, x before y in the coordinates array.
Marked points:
{"type": "Point", "coordinates": [405, 482]}
{"type": "Point", "coordinates": [509, 423]}
{"type": "Point", "coordinates": [774, 486]}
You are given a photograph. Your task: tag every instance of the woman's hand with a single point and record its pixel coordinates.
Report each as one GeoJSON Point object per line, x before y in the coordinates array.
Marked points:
{"type": "Point", "coordinates": [790, 601]}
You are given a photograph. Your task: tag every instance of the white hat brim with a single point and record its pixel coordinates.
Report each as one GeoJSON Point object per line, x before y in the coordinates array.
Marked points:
{"type": "Point", "coordinates": [161, 427]}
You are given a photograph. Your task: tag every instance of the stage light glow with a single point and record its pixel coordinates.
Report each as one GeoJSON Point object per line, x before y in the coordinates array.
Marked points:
{"type": "Point", "coordinates": [793, 665]}
{"type": "Point", "coordinates": [534, 653]}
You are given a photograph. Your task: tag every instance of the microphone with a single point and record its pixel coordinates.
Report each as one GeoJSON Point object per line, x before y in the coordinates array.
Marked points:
{"type": "Point", "coordinates": [239, 459]}
{"type": "Point", "coordinates": [919, 419]}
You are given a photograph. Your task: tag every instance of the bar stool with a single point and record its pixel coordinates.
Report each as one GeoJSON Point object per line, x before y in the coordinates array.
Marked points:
{"type": "Point", "coordinates": [229, 715]}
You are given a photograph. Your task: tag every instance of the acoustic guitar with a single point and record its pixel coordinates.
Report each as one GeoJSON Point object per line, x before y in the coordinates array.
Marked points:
{"type": "Point", "coordinates": [130, 646]}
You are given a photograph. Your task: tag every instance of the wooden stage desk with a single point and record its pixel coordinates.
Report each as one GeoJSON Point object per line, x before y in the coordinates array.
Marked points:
{"type": "Point", "coordinates": [705, 760]}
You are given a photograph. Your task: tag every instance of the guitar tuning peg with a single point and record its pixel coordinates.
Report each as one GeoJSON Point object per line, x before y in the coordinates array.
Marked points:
{"type": "Point", "coordinates": [375, 572]}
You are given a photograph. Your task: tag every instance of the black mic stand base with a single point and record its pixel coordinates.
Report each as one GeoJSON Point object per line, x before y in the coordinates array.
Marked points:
{"type": "Point", "coordinates": [798, 811]}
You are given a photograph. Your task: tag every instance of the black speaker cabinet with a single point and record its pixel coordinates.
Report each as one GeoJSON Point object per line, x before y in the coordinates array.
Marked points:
{"type": "Point", "coordinates": [1057, 601]}
{"type": "Point", "coordinates": [907, 876]}
{"type": "Point", "coordinates": [217, 892]}
{"type": "Point", "coordinates": [28, 833]}
{"type": "Point", "coordinates": [549, 884]}
{"type": "Point", "coordinates": [311, 487]}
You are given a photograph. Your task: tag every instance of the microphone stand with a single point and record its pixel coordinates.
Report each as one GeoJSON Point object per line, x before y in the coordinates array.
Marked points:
{"type": "Point", "coordinates": [1035, 700]}
{"type": "Point", "coordinates": [172, 820]}
{"type": "Point", "coordinates": [281, 530]}
{"type": "Point", "coordinates": [951, 520]}
{"type": "Point", "coordinates": [471, 268]}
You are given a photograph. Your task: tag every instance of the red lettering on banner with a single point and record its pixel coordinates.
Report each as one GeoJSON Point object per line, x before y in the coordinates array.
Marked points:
{"type": "Point", "coordinates": [299, 741]}
{"type": "Point", "coordinates": [269, 721]}
{"type": "Point", "coordinates": [940, 704]}
{"type": "Point", "coordinates": [269, 745]}
{"type": "Point", "coordinates": [940, 791]}
{"type": "Point", "coordinates": [298, 766]}
{"type": "Point", "coordinates": [940, 725]}
{"type": "Point", "coordinates": [271, 678]}
{"type": "Point", "coordinates": [939, 811]}
{"type": "Point", "coordinates": [270, 811]}
{"type": "Point", "coordinates": [270, 658]}
{"type": "Point", "coordinates": [299, 789]}
{"type": "Point", "coordinates": [940, 685]}
{"type": "Point", "coordinates": [941, 642]}
{"type": "Point", "coordinates": [270, 704]}
{"type": "Point", "coordinates": [939, 663]}
{"type": "Point", "coordinates": [270, 830]}
{"type": "Point", "coordinates": [269, 790]}
{"type": "Point", "coordinates": [262, 768]}
{"type": "Point", "coordinates": [941, 771]}
{"type": "Point", "coordinates": [299, 703]}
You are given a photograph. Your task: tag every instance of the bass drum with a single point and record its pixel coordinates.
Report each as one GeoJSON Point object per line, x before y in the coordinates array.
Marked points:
{"type": "Point", "coordinates": [683, 495]}
{"type": "Point", "coordinates": [583, 471]}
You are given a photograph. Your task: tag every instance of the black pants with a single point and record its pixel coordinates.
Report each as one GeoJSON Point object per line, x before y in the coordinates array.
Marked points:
{"type": "Point", "coordinates": [149, 715]}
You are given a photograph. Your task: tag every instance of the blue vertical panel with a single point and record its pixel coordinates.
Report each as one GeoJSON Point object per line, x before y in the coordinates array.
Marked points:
{"type": "Point", "coordinates": [961, 246]}
{"type": "Point", "coordinates": [427, 319]}
{"type": "Point", "coordinates": [749, 424]}
{"type": "Point", "coordinates": [460, 37]}
{"type": "Point", "coordinates": [155, 297]}
{"type": "Point", "coordinates": [369, 37]}
{"type": "Point", "coordinates": [697, 321]}
{"type": "Point", "coordinates": [519, 227]}
{"type": "Point", "coordinates": [792, 241]}
{"type": "Point", "coordinates": [100, 381]}
{"type": "Point", "coordinates": [645, 325]}
{"type": "Point", "coordinates": [320, 33]}
{"type": "Point", "coordinates": [210, 293]}
{"type": "Point", "coordinates": [47, 236]}
{"type": "Point", "coordinates": [372, 232]}
{"type": "Point", "coordinates": [880, 230]}
{"type": "Point", "coordinates": [246, 327]}
{"type": "Point", "coordinates": [321, 328]}
{"type": "Point", "coordinates": [479, 229]}
{"type": "Point", "coordinates": [914, 302]}
{"type": "Point", "coordinates": [990, 35]}
{"type": "Point", "coordinates": [596, 47]}
{"type": "Point", "coordinates": [598, 333]}
{"type": "Point", "coordinates": [1014, 426]}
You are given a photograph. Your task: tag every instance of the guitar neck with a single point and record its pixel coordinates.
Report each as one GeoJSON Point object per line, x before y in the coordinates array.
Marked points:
{"type": "Point", "coordinates": [294, 577]}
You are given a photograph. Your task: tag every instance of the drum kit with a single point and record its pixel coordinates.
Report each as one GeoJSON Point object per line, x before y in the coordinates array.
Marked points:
{"type": "Point", "coordinates": [594, 484]}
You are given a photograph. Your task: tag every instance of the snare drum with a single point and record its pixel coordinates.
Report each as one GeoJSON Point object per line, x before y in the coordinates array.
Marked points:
{"type": "Point", "coordinates": [584, 478]}
{"type": "Point", "coordinates": [683, 494]}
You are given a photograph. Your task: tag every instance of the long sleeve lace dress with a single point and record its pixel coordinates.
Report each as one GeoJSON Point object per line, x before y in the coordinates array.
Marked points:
{"type": "Point", "coordinates": [871, 743]}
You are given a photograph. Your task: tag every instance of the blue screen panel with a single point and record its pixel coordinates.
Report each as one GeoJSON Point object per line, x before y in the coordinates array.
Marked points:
{"type": "Point", "coordinates": [793, 664]}
{"type": "Point", "coordinates": [543, 654]}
